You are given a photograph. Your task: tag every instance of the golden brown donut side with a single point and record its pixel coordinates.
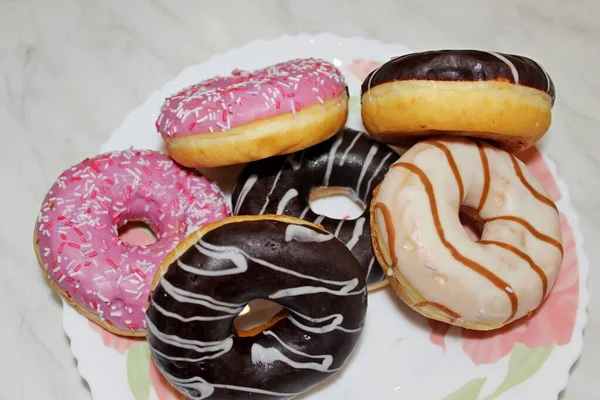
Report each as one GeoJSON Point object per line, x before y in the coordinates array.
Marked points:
{"type": "Point", "coordinates": [514, 117]}
{"type": "Point", "coordinates": [283, 134]}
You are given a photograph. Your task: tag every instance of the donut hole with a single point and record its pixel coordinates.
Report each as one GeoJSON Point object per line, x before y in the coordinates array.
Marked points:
{"type": "Point", "coordinates": [258, 315]}
{"type": "Point", "coordinates": [336, 202]}
{"type": "Point", "coordinates": [471, 223]}
{"type": "Point", "coordinates": [136, 233]}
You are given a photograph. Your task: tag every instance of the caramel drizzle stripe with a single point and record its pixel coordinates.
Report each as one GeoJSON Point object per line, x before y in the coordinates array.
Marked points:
{"type": "Point", "coordinates": [537, 234]}
{"type": "Point", "coordinates": [486, 176]}
{"type": "Point", "coordinates": [478, 268]}
{"type": "Point", "coordinates": [531, 189]}
{"type": "Point", "coordinates": [453, 167]}
{"type": "Point", "coordinates": [440, 307]}
{"type": "Point", "coordinates": [526, 258]}
{"type": "Point", "coordinates": [389, 227]}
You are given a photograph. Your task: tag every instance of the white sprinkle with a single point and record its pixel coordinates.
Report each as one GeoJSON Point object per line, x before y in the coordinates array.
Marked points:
{"type": "Point", "coordinates": [509, 289]}
{"type": "Point", "coordinates": [430, 266]}
{"type": "Point", "coordinates": [104, 299]}
{"type": "Point", "coordinates": [116, 314]}
{"type": "Point", "coordinates": [293, 108]}
{"type": "Point", "coordinates": [320, 100]}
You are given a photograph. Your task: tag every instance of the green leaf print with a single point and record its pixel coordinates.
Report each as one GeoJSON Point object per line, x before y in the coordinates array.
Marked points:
{"type": "Point", "coordinates": [469, 391]}
{"type": "Point", "coordinates": [522, 365]}
{"type": "Point", "coordinates": [354, 104]}
{"type": "Point", "coordinates": [138, 371]}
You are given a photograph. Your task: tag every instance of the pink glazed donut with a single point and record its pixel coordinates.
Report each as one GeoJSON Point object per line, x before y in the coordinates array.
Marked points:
{"type": "Point", "coordinates": [76, 235]}
{"type": "Point", "coordinates": [249, 116]}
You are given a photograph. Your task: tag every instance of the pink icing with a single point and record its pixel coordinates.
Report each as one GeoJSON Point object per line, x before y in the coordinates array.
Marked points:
{"type": "Point", "coordinates": [221, 103]}
{"type": "Point", "coordinates": [77, 236]}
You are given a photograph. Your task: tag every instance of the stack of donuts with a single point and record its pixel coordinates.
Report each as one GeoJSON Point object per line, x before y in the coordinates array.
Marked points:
{"type": "Point", "coordinates": [461, 115]}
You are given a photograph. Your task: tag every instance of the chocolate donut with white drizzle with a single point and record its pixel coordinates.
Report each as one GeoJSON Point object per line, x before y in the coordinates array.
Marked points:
{"type": "Point", "coordinates": [463, 65]}
{"type": "Point", "coordinates": [349, 162]}
{"type": "Point", "coordinates": [208, 279]}
{"type": "Point", "coordinates": [506, 99]}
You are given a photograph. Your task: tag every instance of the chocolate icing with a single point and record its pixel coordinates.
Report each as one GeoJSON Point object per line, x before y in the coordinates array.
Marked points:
{"type": "Point", "coordinates": [282, 185]}
{"type": "Point", "coordinates": [463, 65]}
{"type": "Point", "coordinates": [306, 270]}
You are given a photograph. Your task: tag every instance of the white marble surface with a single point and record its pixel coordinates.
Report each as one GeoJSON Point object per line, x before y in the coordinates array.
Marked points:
{"type": "Point", "coordinates": [72, 69]}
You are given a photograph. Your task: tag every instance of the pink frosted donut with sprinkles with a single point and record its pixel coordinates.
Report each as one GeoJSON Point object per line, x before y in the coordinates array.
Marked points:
{"type": "Point", "coordinates": [76, 235]}
{"type": "Point", "coordinates": [252, 115]}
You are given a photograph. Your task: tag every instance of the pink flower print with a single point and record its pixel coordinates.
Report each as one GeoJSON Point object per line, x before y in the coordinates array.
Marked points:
{"type": "Point", "coordinates": [361, 68]}
{"type": "Point", "coordinates": [119, 343]}
{"type": "Point", "coordinates": [552, 323]}
{"type": "Point", "coordinates": [164, 391]}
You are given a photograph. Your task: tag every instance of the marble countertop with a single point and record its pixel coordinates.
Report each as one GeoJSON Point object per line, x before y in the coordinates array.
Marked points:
{"type": "Point", "coordinates": [71, 70]}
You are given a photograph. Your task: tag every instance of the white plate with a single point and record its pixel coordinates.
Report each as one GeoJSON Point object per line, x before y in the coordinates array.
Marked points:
{"type": "Point", "coordinates": [397, 356]}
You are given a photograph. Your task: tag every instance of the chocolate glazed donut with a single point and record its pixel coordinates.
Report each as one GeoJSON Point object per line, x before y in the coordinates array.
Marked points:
{"type": "Point", "coordinates": [209, 278]}
{"type": "Point", "coordinates": [348, 162]}
{"type": "Point", "coordinates": [463, 65]}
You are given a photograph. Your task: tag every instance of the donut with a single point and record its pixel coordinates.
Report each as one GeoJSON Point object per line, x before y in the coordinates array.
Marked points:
{"type": "Point", "coordinates": [433, 264]}
{"type": "Point", "coordinates": [76, 237]}
{"type": "Point", "coordinates": [208, 279]}
{"type": "Point", "coordinates": [504, 98]}
{"type": "Point", "coordinates": [349, 162]}
{"type": "Point", "coordinates": [248, 116]}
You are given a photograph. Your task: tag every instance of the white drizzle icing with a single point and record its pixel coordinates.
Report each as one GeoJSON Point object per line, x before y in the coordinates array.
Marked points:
{"type": "Point", "coordinates": [512, 67]}
{"type": "Point", "coordinates": [304, 212]}
{"type": "Point", "coordinates": [268, 198]}
{"type": "Point", "coordinates": [336, 321]}
{"type": "Point", "coordinates": [289, 195]}
{"type": "Point", "coordinates": [304, 234]}
{"type": "Point", "coordinates": [358, 230]}
{"type": "Point", "coordinates": [372, 151]}
{"type": "Point", "coordinates": [327, 359]}
{"type": "Point", "coordinates": [339, 227]}
{"type": "Point", "coordinates": [245, 189]}
{"type": "Point", "coordinates": [331, 158]}
{"type": "Point", "coordinates": [347, 151]}
{"type": "Point", "coordinates": [268, 355]}
{"type": "Point", "coordinates": [370, 266]}
{"type": "Point", "coordinates": [184, 296]}
{"type": "Point", "coordinates": [225, 252]}
{"type": "Point", "coordinates": [220, 346]}
{"type": "Point", "coordinates": [207, 389]}
{"type": "Point", "coordinates": [303, 290]}
{"type": "Point", "coordinates": [377, 170]}
{"type": "Point", "coordinates": [170, 314]}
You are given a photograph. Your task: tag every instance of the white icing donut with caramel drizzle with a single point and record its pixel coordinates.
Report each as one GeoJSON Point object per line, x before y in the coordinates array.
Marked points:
{"type": "Point", "coordinates": [431, 261]}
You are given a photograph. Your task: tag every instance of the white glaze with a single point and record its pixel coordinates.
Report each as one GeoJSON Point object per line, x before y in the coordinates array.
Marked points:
{"type": "Point", "coordinates": [304, 234]}
{"type": "Point", "coordinates": [245, 189]}
{"type": "Point", "coordinates": [289, 195]}
{"type": "Point", "coordinates": [418, 246]}
{"type": "Point", "coordinates": [269, 355]}
{"type": "Point", "coordinates": [510, 64]}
